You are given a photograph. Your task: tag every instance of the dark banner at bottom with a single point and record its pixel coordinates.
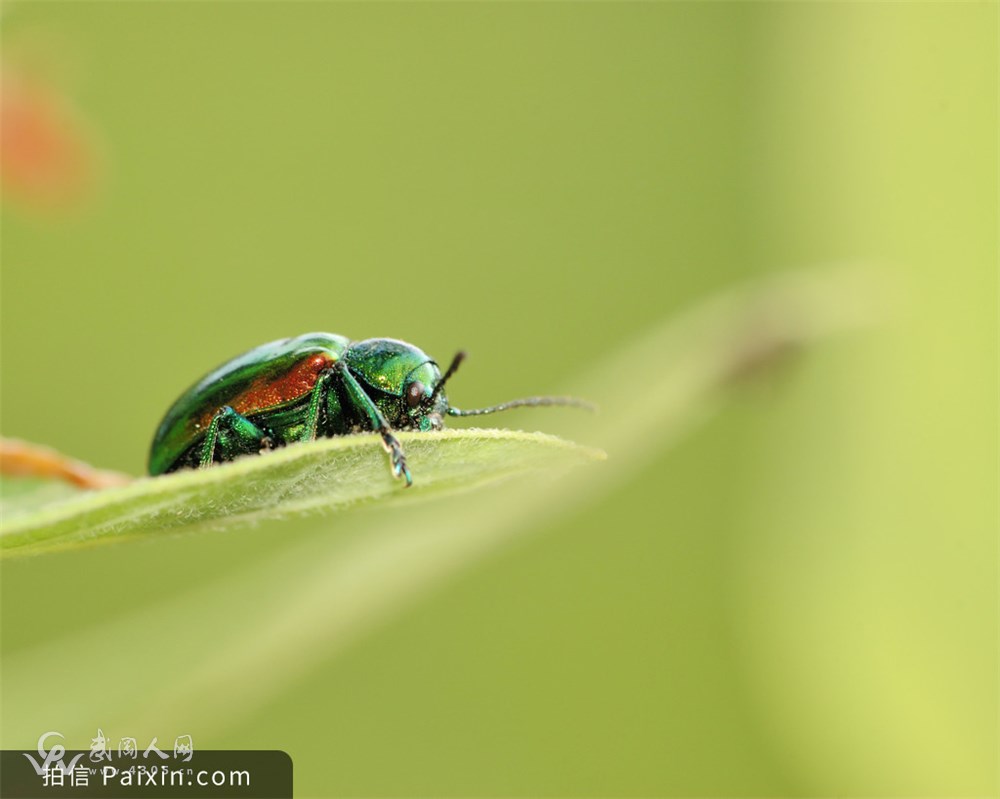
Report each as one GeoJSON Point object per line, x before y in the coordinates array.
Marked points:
{"type": "Point", "coordinates": [207, 774]}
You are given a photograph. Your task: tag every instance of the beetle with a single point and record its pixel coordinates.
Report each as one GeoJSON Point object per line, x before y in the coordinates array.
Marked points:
{"type": "Point", "coordinates": [311, 386]}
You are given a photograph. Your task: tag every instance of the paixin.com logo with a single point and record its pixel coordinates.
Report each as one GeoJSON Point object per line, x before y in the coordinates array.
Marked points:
{"type": "Point", "coordinates": [128, 769]}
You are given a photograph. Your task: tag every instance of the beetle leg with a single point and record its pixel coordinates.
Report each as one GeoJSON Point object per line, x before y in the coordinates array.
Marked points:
{"type": "Point", "coordinates": [364, 403]}
{"type": "Point", "coordinates": [319, 393]}
{"type": "Point", "coordinates": [246, 434]}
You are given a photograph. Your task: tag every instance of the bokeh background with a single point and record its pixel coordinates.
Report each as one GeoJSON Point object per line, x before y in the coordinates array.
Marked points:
{"type": "Point", "coordinates": [800, 599]}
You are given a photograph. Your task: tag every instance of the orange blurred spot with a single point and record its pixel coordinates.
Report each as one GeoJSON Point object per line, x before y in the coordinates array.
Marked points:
{"type": "Point", "coordinates": [45, 159]}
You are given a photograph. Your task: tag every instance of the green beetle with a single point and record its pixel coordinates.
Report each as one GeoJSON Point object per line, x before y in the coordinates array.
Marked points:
{"type": "Point", "coordinates": [314, 385]}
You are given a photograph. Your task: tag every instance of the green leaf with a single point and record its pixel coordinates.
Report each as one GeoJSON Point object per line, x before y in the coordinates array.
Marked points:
{"type": "Point", "coordinates": [321, 475]}
{"type": "Point", "coordinates": [23, 495]}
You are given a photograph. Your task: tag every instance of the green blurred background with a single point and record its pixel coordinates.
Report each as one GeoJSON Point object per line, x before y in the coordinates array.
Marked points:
{"type": "Point", "coordinates": [798, 600]}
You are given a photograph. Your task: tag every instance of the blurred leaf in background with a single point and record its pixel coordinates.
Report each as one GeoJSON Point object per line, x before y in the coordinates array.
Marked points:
{"type": "Point", "coordinates": [798, 599]}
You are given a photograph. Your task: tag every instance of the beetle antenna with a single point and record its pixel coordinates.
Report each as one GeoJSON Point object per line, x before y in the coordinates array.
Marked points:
{"type": "Point", "coordinates": [526, 402]}
{"type": "Point", "coordinates": [455, 363]}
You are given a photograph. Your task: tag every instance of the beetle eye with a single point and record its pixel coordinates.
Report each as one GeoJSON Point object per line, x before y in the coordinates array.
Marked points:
{"type": "Point", "coordinates": [414, 394]}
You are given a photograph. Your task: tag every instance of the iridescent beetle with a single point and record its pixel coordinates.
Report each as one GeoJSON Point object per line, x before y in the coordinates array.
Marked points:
{"type": "Point", "coordinates": [314, 385]}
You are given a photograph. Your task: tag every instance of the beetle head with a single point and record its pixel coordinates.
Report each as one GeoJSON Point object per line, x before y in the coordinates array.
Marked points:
{"type": "Point", "coordinates": [424, 402]}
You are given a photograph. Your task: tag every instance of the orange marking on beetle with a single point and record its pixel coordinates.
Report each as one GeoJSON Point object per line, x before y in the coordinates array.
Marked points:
{"type": "Point", "coordinates": [267, 391]}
